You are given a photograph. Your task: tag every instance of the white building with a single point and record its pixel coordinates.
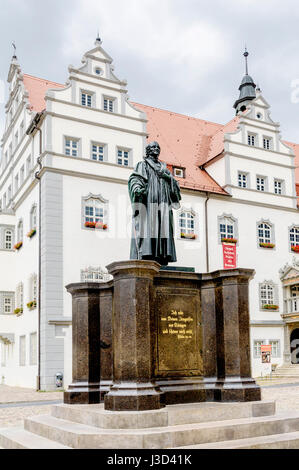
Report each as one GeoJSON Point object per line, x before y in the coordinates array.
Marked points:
{"type": "Point", "coordinates": [67, 153]}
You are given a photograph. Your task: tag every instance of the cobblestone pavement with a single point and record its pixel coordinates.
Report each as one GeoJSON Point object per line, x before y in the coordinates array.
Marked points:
{"type": "Point", "coordinates": [286, 396]}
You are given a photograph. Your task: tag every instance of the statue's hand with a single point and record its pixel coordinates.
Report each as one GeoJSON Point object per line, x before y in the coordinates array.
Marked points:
{"type": "Point", "coordinates": [140, 192]}
{"type": "Point", "coordinates": [165, 174]}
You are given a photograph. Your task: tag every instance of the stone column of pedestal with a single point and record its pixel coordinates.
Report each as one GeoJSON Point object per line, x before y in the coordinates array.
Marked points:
{"type": "Point", "coordinates": [234, 381]}
{"type": "Point", "coordinates": [133, 329]}
{"type": "Point", "coordinates": [85, 387]}
{"type": "Point", "coordinates": [106, 356]}
{"type": "Point", "coordinates": [287, 348]}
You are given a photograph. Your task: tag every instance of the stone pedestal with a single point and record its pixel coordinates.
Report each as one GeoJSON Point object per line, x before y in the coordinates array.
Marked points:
{"type": "Point", "coordinates": [133, 337]}
{"type": "Point", "coordinates": [85, 388]}
{"type": "Point", "coordinates": [226, 328]}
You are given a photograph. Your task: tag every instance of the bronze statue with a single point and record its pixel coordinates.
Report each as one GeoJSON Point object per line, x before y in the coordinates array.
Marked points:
{"type": "Point", "coordinates": [154, 192]}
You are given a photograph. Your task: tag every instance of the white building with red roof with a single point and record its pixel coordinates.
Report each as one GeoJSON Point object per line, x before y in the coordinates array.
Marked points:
{"type": "Point", "coordinates": [67, 153]}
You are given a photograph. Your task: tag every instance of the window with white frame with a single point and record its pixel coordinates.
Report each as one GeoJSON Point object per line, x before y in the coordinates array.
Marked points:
{"type": "Point", "coordinates": [242, 180]}
{"type": "Point", "coordinates": [278, 186]}
{"type": "Point", "coordinates": [8, 239]}
{"type": "Point", "coordinates": [97, 152]}
{"type": "Point", "coordinates": [294, 236]}
{"type": "Point", "coordinates": [187, 224]}
{"type": "Point", "coordinates": [86, 99]}
{"type": "Point", "coordinates": [20, 296]}
{"type": "Point", "coordinates": [179, 172]}
{"type": "Point", "coordinates": [108, 104]}
{"type": "Point", "coordinates": [251, 139]}
{"type": "Point", "coordinates": [227, 227]}
{"type": "Point", "coordinates": [22, 350]}
{"type": "Point", "coordinates": [261, 183]}
{"type": "Point", "coordinates": [20, 231]}
{"type": "Point", "coordinates": [94, 211]}
{"type": "Point", "coordinates": [275, 348]}
{"type": "Point", "coordinates": [94, 274]}
{"type": "Point", "coordinates": [268, 295]}
{"type": "Point", "coordinates": [33, 217]}
{"type": "Point", "coordinates": [71, 147]}
{"type": "Point", "coordinates": [33, 349]}
{"type": "Point", "coordinates": [267, 143]}
{"type": "Point", "coordinates": [265, 232]}
{"type": "Point", "coordinates": [123, 157]}
{"type": "Point", "coordinates": [7, 305]}
{"type": "Point", "coordinates": [257, 344]}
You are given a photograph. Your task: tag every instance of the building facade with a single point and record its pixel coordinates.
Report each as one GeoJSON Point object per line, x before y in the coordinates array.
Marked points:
{"type": "Point", "coordinates": [67, 153]}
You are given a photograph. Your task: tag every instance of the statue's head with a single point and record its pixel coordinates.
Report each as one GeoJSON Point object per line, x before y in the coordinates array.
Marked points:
{"type": "Point", "coordinates": [153, 150]}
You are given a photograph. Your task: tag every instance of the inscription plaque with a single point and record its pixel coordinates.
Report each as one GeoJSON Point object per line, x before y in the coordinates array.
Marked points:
{"type": "Point", "coordinates": [178, 348]}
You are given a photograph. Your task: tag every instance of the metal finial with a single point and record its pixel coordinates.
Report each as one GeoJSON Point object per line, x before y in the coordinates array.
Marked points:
{"type": "Point", "coordinates": [15, 49]}
{"type": "Point", "coordinates": [246, 54]}
{"type": "Point", "coordinates": [98, 36]}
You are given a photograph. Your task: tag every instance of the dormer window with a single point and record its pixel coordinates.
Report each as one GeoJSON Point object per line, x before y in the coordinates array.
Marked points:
{"type": "Point", "coordinates": [252, 139]}
{"type": "Point", "coordinates": [86, 99]}
{"type": "Point", "coordinates": [98, 71]}
{"type": "Point", "coordinates": [267, 143]}
{"type": "Point", "coordinates": [179, 172]}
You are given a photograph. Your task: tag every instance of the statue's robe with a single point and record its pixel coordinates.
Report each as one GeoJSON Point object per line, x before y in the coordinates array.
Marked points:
{"type": "Point", "coordinates": [152, 225]}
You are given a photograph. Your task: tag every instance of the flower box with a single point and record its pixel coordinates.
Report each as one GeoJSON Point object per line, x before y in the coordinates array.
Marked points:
{"type": "Point", "coordinates": [97, 225]}
{"type": "Point", "coordinates": [31, 305]}
{"type": "Point", "coordinates": [229, 240]}
{"type": "Point", "coordinates": [18, 245]}
{"type": "Point", "coordinates": [189, 236]}
{"type": "Point", "coordinates": [31, 233]}
{"type": "Point", "coordinates": [270, 307]}
{"type": "Point", "coordinates": [295, 248]}
{"type": "Point", "coordinates": [267, 245]}
{"type": "Point", "coordinates": [18, 311]}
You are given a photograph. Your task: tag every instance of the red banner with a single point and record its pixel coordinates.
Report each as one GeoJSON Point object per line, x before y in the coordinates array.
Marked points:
{"type": "Point", "coordinates": [229, 256]}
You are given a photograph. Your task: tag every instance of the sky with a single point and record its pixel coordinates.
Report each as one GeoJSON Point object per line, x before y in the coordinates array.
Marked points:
{"type": "Point", "coordinates": [180, 55]}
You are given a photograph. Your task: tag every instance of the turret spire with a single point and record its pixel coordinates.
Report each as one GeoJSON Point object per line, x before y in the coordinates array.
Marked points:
{"type": "Point", "coordinates": [246, 54]}
{"type": "Point", "coordinates": [15, 50]}
{"type": "Point", "coordinates": [247, 88]}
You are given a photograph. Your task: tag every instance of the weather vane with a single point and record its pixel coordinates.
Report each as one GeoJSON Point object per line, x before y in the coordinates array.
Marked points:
{"type": "Point", "coordinates": [246, 54]}
{"type": "Point", "coordinates": [15, 48]}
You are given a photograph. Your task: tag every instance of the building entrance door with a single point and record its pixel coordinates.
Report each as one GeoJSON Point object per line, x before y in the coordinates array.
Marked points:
{"type": "Point", "coordinates": [295, 346]}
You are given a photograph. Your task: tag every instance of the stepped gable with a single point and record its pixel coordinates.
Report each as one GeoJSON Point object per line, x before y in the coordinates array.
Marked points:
{"type": "Point", "coordinates": [37, 88]}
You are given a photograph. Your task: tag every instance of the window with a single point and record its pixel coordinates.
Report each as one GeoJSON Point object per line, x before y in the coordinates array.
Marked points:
{"type": "Point", "coordinates": [267, 143]}
{"type": "Point", "coordinates": [251, 139]}
{"type": "Point", "coordinates": [260, 183]}
{"type": "Point", "coordinates": [94, 211]}
{"type": "Point", "coordinates": [264, 232]}
{"type": "Point", "coordinates": [86, 99]}
{"type": "Point", "coordinates": [275, 348]}
{"type": "Point", "coordinates": [257, 347]}
{"type": "Point", "coordinates": [33, 217]}
{"type": "Point", "coordinates": [294, 236]}
{"type": "Point", "coordinates": [123, 157]}
{"type": "Point", "coordinates": [95, 275]}
{"type": "Point", "coordinates": [22, 351]}
{"type": "Point", "coordinates": [186, 224]}
{"type": "Point", "coordinates": [7, 305]}
{"type": "Point", "coordinates": [278, 185]}
{"type": "Point", "coordinates": [109, 104]}
{"type": "Point", "coordinates": [178, 172]}
{"type": "Point", "coordinates": [97, 152]}
{"type": "Point", "coordinates": [227, 226]}
{"type": "Point", "coordinates": [242, 180]}
{"type": "Point", "coordinates": [33, 349]}
{"type": "Point", "coordinates": [20, 231]}
{"type": "Point", "coordinates": [8, 240]}
{"type": "Point", "coordinates": [266, 295]}
{"type": "Point", "coordinates": [98, 71]}
{"type": "Point", "coordinates": [71, 147]}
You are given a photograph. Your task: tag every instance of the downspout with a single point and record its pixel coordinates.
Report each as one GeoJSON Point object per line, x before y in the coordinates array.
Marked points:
{"type": "Point", "coordinates": [32, 128]}
{"type": "Point", "coordinates": [207, 232]}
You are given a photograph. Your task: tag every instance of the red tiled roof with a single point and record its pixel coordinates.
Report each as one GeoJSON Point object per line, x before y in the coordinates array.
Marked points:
{"type": "Point", "coordinates": [37, 88]}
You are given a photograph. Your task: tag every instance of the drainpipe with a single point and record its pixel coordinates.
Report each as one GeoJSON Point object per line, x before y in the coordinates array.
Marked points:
{"type": "Point", "coordinates": [30, 131]}
{"type": "Point", "coordinates": [207, 232]}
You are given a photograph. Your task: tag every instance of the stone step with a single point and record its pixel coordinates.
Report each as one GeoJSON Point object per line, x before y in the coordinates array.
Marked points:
{"type": "Point", "coordinates": [19, 438]}
{"type": "Point", "coordinates": [171, 415]}
{"type": "Point", "coordinates": [288, 440]}
{"type": "Point", "coordinates": [81, 436]}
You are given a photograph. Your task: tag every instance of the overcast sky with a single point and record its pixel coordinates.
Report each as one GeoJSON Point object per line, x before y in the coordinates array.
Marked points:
{"type": "Point", "coordinates": [181, 55]}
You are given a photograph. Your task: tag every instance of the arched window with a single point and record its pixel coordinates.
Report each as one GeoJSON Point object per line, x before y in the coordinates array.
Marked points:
{"type": "Point", "coordinates": [33, 217]}
{"type": "Point", "coordinates": [268, 295]}
{"type": "Point", "coordinates": [187, 224]}
{"type": "Point", "coordinates": [95, 212]}
{"type": "Point", "coordinates": [8, 239]}
{"type": "Point", "coordinates": [264, 233]}
{"type": "Point", "coordinates": [294, 236]}
{"type": "Point", "coordinates": [227, 227]}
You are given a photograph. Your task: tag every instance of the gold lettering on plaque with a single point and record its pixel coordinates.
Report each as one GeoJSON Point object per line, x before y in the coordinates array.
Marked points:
{"type": "Point", "coordinates": [176, 325]}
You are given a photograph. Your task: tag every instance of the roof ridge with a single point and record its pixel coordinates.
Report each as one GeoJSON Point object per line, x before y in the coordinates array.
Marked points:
{"type": "Point", "coordinates": [178, 114]}
{"type": "Point", "coordinates": [42, 79]}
